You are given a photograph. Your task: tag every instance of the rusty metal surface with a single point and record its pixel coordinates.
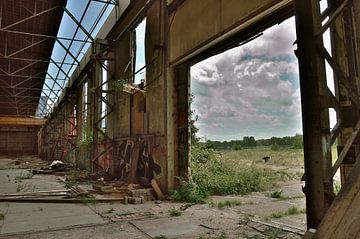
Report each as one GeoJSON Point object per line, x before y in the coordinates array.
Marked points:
{"type": "Point", "coordinates": [28, 30]}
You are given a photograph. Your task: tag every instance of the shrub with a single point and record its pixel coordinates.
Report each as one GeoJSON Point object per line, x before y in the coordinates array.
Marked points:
{"type": "Point", "coordinates": [174, 212]}
{"type": "Point", "coordinates": [275, 147]}
{"type": "Point", "coordinates": [276, 194]}
{"type": "Point", "coordinates": [222, 177]}
{"type": "Point", "coordinates": [189, 192]}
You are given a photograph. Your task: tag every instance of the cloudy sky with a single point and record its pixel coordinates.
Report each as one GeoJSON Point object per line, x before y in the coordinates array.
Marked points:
{"type": "Point", "coordinates": [250, 90]}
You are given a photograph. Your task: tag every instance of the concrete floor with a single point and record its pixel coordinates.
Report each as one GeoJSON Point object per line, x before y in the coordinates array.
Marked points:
{"type": "Point", "coordinates": [149, 220]}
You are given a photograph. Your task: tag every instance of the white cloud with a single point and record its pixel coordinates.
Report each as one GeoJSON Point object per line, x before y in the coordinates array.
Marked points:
{"type": "Point", "coordinates": [251, 89]}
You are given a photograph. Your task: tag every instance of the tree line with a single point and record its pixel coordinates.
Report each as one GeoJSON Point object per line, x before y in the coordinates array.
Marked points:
{"type": "Point", "coordinates": [250, 142]}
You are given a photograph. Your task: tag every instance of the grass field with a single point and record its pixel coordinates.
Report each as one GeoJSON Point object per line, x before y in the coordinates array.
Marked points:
{"type": "Point", "coordinates": [239, 172]}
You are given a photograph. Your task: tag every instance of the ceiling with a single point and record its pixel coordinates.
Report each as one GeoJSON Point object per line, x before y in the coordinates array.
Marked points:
{"type": "Point", "coordinates": [28, 30]}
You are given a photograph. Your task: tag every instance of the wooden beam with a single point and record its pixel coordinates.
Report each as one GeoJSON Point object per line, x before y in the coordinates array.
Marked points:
{"type": "Point", "coordinates": [315, 121]}
{"type": "Point", "coordinates": [20, 121]}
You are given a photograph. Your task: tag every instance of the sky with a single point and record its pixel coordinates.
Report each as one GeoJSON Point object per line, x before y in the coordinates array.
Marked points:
{"type": "Point", "coordinates": [68, 30]}
{"type": "Point", "coordinates": [250, 90]}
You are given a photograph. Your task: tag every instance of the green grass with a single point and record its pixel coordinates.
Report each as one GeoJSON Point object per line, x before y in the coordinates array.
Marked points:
{"type": "Point", "coordinates": [276, 194]}
{"type": "Point", "coordinates": [160, 237]}
{"type": "Point", "coordinates": [237, 172]}
{"type": "Point", "coordinates": [228, 203]}
{"type": "Point", "coordinates": [291, 211]}
{"type": "Point", "coordinates": [23, 176]}
{"type": "Point", "coordinates": [87, 200]}
{"type": "Point", "coordinates": [2, 216]}
{"type": "Point", "coordinates": [174, 212]}
{"type": "Point", "coordinates": [110, 210]}
{"type": "Point", "coordinates": [232, 173]}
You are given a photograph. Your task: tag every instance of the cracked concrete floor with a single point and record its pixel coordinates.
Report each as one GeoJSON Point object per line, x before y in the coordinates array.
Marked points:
{"type": "Point", "coordinates": [149, 220]}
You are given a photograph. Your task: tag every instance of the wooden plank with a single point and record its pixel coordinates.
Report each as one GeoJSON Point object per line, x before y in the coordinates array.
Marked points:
{"type": "Point", "coordinates": [349, 226]}
{"type": "Point", "coordinates": [20, 121]}
{"type": "Point", "coordinates": [344, 152]}
{"type": "Point", "coordinates": [342, 204]}
{"type": "Point", "coordinates": [157, 190]}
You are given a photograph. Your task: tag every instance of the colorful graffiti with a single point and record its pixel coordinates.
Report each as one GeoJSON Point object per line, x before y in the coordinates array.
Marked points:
{"type": "Point", "coordinates": [135, 161]}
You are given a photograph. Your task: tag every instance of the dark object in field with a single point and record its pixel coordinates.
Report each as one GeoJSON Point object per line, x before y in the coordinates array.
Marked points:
{"type": "Point", "coordinates": [266, 158]}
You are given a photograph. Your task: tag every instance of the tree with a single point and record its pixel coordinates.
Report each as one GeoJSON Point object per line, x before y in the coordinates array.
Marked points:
{"type": "Point", "coordinates": [298, 142]}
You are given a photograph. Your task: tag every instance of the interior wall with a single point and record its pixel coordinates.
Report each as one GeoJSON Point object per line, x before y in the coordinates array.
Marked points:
{"type": "Point", "coordinates": [149, 128]}
{"type": "Point", "coordinates": [195, 24]}
{"type": "Point", "coordinates": [18, 140]}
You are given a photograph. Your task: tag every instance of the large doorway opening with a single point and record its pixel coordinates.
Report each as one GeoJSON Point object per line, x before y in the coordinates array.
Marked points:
{"type": "Point", "coordinates": [245, 127]}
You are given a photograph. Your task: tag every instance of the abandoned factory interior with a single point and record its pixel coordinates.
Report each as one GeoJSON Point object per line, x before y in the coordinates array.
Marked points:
{"type": "Point", "coordinates": [180, 119]}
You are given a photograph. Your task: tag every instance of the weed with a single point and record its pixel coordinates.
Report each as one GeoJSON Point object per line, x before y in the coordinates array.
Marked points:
{"type": "Point", "coordinates": [228, 203]}
{"type": "Point", "coordinates": [293, 211]}
{"type": "Point", "coordinates": [276, 194]}
{"type": "Point", "coordinates": [22, 176]}
{"type": "Point", "coordinates": [160, 237]}
{"type": "Point", "coordinates": [275, 147]}
{"type": "Point", "coordinates": [110, 210]}
{"type": "Point", "coordinates": [221, 236]}
{"type": "Point", "coordinates": [337, 187]}
{"type": "Point", "coordinates": [76, 175]}
{"type": "Point", "coordinates": [25, 187]}
{"type": "Point", "coordinates": [2, 216]}
{"type": "Point", "coordinates": [273, 233]}
{"type": "Point", "coordinates": [148, 214]}
{"type": "Point", "coordinates": [87, 200]}
{"type": "Point", "coordinates": [189, 192]}
{"type": "Point", "coordinates": [174, 212]}
{"type": "Point", "coordinates": [277, 215]}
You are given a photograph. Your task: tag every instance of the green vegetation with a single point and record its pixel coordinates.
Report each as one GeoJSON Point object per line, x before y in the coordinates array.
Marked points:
{"type": "Point", "coordinates": [235, 172]}
{"type": "Point", "coordinates": [118, 85]}
{"type": "Point", "coordinates": [23, 176]}
{"type": "Point", "coordinates": [276, 194]}
{"type": "Point", "coordinates": [110, 210]}
{"type": "Point", "coordinates": [337, 187]}
{"type": "Point", "coordinates": [275, 147]}
{"type": "Point", "coordinates": [174, 212]}
{"type": "Point", "coordinates": [2, 216]}
{"type": "Point", "coordinates": [221, 175]}
{"type": "Point", "coordinates": [228, 203]}
{"type": "Point", "coordinates": [291, 211]}
{"type": "Point", "coordinates": [236, 167]}
{"type": "Point", "coordinates": [87, 200]}
{"type": "Point", "coordinates": [76, 175]}
{"type": "Point", "coordinates": [189, 192]}
{"type": "Point", "coordinates": [160, 237]}
{"type": "Point", "coordinates": [295, 142]}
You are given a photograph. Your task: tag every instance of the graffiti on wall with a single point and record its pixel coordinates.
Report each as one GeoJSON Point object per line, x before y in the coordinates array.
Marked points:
{"type": "Point", "coordinates": [135, 161]}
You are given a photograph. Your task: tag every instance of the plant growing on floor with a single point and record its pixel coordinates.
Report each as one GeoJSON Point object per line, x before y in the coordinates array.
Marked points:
{"type": "Point", "coordinates": [2, 216]}
{"type": "Point", "coordinates": [174, 212]}
{"type": "Point", "coordinates": [22, 176]}
{"type": "Point", "coordinates": [276, 194]}
{"type": "Point", "coordinates": [189, 192]}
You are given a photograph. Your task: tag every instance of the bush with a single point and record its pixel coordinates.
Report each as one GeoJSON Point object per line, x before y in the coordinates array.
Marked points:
{"type": "Point", "coordinates": [222, 177]}
{"type": "Point", "coordinates": [237, 147]}
{"type": "Point", "coordinates": [201, 152]}
{"type": "Point", "coordinates": [189, 192]}
{"type": "Point", "coordinates": [275, 147]}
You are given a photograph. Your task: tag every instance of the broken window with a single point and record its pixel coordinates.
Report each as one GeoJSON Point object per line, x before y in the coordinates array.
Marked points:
{"type": "Point", "coordinates": [73, 122]}
{"type": "Point", "coordinates": [85, 109]}
{"type": "Point", "coordinates": [138, 53]}
{"type": "Point", "coordinates": [104, 95]}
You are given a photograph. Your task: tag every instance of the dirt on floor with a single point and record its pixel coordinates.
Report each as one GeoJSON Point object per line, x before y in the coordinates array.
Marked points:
{"type": "Point", "coordinates": [277, 213]}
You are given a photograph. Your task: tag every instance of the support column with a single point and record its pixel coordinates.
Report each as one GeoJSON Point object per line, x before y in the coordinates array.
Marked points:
{"type": "Point", "coordinates": [315, 118]}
